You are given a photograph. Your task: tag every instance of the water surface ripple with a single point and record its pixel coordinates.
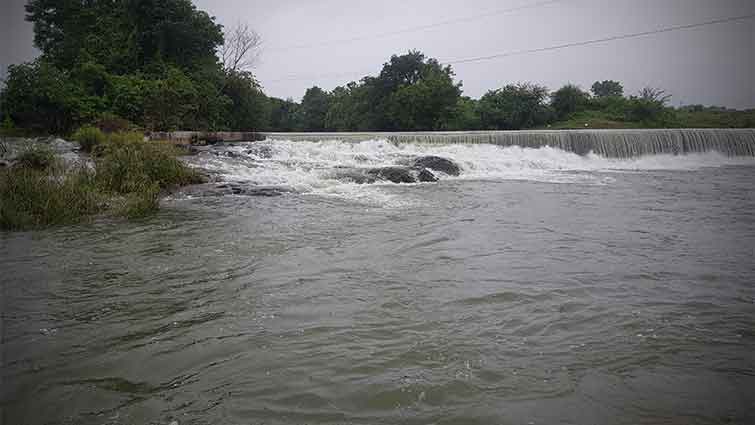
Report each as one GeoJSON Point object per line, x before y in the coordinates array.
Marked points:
{"type": "Point", "coordinates": [574, 294]}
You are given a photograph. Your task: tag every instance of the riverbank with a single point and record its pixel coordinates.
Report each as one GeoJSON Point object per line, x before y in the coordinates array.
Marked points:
{"type": "Point", "coordinates": [53, 182]}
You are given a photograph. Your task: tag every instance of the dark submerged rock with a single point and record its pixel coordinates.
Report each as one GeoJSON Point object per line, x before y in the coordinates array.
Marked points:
{"type": "Point", "coordinates": [426, 176]}
{"type": "Point", "coordinates": [355, 176]}
{"type": "Point", "coordinates": [240, 189]}
{"type": "Point", "coordinates": [391, 174]}
{"type": "Point", "coordinates": [394, 174]}
{"type": "Point", "coordinates": [437, 163]}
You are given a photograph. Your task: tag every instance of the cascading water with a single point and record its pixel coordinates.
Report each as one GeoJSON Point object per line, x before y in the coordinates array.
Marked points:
{"type": "Point", "coordinates": [608, 143]}
{"type": "Point", "coordinates": [327, 167]}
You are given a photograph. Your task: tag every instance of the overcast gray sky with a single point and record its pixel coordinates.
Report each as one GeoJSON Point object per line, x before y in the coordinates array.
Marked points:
{"type": "Point", "coordinates": [710, 65]}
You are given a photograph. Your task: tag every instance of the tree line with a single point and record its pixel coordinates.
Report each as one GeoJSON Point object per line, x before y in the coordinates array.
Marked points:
{"type": "Point", "coordinates": [165, 65]}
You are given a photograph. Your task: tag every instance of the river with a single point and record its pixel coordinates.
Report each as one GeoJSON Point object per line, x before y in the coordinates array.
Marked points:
{"type": "Point", "coordinates": [537, 287]}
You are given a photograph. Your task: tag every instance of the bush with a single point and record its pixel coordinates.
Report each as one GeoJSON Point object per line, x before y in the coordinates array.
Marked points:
{"type": "Point", "coordinates": [36, 158]}
{"type": "Point", "coordinates": [568, 100]}
{"type": "Point", "coordinates": [31, 198]}
{"type": "Point", "coordinates": [110, 123]}
{"type": "Point", "coordinates": [89, 138]}
{"type": "Point", "coordinates": [128, 177]}
{"type": "Point", "coordinates": [127, 164]}
{"type": "Point", "coordinates": [142, 202]}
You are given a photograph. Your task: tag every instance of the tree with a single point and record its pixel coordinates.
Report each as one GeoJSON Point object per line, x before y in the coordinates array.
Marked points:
{"type": "Point", "coordinates": [348, 110]}
{"type": "Point", "coordinates": [568, 100]}
{"type": "Point", "coordinates": [40, 97]}
{"type": "Point", "coordinates": [652, 94]}
{"type": "Point", "coordinates": [607, 88]}
{"type": "Point", "coordinates": [240, 49]}
{"type": "Point", "coordinates": [465, 116]}
{"type": "Point", "coordinates": [414, 93]}
{"type": "Point", "coordinates": [649, 107]}
{"type": "Point", "coordinates": [283, 114]}
{"type": "Point", "coordinates": [514, 107]}
{"type": "Point", "coordinates": [249, 107]}
{"type": "Point", "coordinates": [124, 36]}
{"type": "Point", "coordinates": [313, 109]}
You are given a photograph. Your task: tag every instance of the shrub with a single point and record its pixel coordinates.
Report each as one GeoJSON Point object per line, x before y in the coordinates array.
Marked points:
{"type": "Point", "coordinates": [126, 164]}
{"type": "Point", "coordinates": [142, 202]}
{"type": "Point", "coordinates": [568, 100]}
{"type": "Point", "coordinates": [129, 173]}
{"type": "Point", "coordinates": [36, 158]}
{"type": "Point", "coordinates": [89, 138]}
{"type": "Point", "coordinates": [31, 198]}
{"type": "Point", "coordinates": [110, 123]}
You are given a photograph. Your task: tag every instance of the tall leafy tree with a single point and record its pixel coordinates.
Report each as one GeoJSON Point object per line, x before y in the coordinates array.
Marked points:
{"type": "Point", "coordinates": [514, 107]}
{"type": "Point", "coordinates": [607, 88]}
{"type": "Point", "coordinates": [313, 109]}
{"type": "Point", "coordinates": [568, 100]}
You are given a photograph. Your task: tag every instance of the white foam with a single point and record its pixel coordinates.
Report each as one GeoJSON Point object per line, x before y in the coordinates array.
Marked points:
{"type": "Point", "coordinates": [309, 167]}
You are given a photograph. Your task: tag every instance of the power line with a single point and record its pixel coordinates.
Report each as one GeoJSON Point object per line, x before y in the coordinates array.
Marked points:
{"type": "Point", "coordinates": [417, 28]}
{"type": "Point", "coordinates": [601, 40]}
{"type": "Point", "coordinates": [551, 48]}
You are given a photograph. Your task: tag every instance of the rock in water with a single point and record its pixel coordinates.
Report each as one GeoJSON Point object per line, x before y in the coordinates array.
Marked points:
{"type": "Point", "coordinates": [355, 176]}
{"type": "Point", "coordinates": [426, 175]}
{"type": "Point", "coordinates": [394, 174]}
{"type": "Point", "coordinates": [437, 163]}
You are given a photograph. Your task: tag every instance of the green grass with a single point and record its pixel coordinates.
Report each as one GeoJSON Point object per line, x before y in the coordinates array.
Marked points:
{"type": "Point", "coordinates": [32, 198]}
{"type": "Point", "coordinates": [715, 119]}
{"type": "Point", "coordinates": [673, 119]}
{"type": "Point", "coordinates": [36, 158]}
{"type": "Point", "coordinates": [128, 177]}
{"type": "Point", "coordinates": [89, 138]}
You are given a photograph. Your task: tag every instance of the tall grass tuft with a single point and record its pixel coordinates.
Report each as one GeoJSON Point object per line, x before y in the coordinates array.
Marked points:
{"type": "Point", "coordinates": [36, 158]}
{"type": "Point", "coordinates": [31, 197]}
{"type": "Point", "coordinates": [128, 176]}
{"type": "Point", "coordinates": [127, 163]}
{"type": "Point", "coordinates": [89, 138]}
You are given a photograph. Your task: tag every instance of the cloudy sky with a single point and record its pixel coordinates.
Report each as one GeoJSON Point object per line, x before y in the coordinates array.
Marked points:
{"type": "Point", "coordinates": [330, 42]}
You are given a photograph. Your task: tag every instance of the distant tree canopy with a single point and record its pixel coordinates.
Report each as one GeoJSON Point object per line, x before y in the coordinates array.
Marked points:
{"type": "Point", "coordinates": [124, 36]}
{"type": "Point", "coordinates": [568, 100]}
{"type": "Point", "coordinates": [514, 107]}
{"type": "Point", "coordinates": [607, 88]}
{"type": "Point", "coordinates": [155, 65]}
{"type": "Point", "coordinates": [152, 62]}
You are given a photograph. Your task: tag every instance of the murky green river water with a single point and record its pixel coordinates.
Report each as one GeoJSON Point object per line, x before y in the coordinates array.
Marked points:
{"type": "Point", "coordinates": [537, 288]}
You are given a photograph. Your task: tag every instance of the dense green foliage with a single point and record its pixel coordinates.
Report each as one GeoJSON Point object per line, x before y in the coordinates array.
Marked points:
{"type": "Point", "coordinates": [607, 88]}
{"type": "Point", "coordinates": [514, 107]}
{"type": "Point", "coordinates": [39, 190]}
{"type": "Point", "coordinates": [153, 64]}
{"type": "Point", "coordinates": [89, 138]}
{"type": "Point", "coordinates": [31, 197]}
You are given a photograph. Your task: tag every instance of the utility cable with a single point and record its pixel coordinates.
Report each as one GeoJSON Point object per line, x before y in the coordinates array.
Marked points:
{"type": "Point", "coordinates": [417, 28]}
{"type": "Point", "coordinates": [550, 48]}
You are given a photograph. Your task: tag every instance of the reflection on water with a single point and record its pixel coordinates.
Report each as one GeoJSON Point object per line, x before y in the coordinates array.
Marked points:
{"type": "Point", "coordinates": [483, 300]}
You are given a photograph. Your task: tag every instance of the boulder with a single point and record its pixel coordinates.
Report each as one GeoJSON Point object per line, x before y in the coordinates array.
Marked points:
{"type": "Point", "coordinates": [437, 163]}
{"type": "Point", "coordinates": [391, 174]}
{"type": "Point", "coordinates": [394, 174]}
{"type": "Point", "coordinates": [225, 189]}
{"type": "Point", "coordinates": [426, 176]}
{"type": "Point", "coordinates": [355, 176]}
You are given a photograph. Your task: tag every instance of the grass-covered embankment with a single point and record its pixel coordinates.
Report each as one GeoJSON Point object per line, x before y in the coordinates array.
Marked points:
{"type": "Point", "coordinates": [125, 178]}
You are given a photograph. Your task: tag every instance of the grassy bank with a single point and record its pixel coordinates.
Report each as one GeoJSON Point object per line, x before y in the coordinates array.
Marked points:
{"type": "Point", "coordinates": [126, 179]}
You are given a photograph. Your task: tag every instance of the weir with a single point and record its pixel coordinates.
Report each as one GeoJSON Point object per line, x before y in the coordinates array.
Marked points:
{"type": "Point", "coordinates": [608, 143]}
